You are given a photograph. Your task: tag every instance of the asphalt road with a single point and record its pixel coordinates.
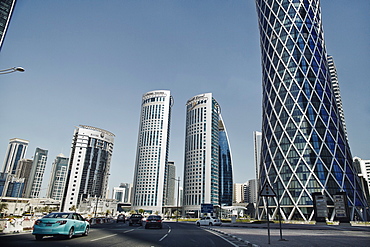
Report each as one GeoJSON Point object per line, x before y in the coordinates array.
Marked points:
{"type": "Point", "coordinates": [121, 234]}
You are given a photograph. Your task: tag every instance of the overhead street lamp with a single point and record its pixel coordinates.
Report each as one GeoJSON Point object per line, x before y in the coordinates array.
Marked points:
{"type": "Point", "coordinates": [11, 70]}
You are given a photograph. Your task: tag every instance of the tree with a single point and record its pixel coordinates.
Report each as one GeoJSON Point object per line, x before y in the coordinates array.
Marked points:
{"type": "Point", "coordinates": [156, 213]}
{"type": "Point", "coordinates": [132, 212]}
{"type": "Point", "coordinates": [141, 211]}
{"type": "Point", "coordinates": [73, 208]}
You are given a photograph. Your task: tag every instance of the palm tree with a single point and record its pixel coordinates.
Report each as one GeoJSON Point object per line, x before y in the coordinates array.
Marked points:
{"type": "Point", "coordinates": [73, 208]}
{"type": "Point", "coordinates": [141, 211]}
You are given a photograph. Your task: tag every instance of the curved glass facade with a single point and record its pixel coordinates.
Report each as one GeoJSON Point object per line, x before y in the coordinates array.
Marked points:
{"type": "Point", "coordinates": [225, 165]}
{"type": "Point", "coordinates": [304, 147]}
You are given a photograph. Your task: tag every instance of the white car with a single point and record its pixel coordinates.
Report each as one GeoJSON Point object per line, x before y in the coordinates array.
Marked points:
{"type": "Point", "coordinates": [208, 221]}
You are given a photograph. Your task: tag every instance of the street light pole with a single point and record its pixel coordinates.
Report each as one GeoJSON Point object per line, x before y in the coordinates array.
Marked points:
{"type": "Point", "coordinates": [178, 194]}
{"type": "Point", "coordinates": [11, 70]}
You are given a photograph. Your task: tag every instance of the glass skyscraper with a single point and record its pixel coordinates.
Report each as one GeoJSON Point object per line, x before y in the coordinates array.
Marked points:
{"type": "Point", "coordinates": [304, 146]}
{"type": "Point", "coordinates": [6, 10]}
{"type": "Point", "coordinates": [58, 177]}
{"type": "Point", "coordinates": [89, 165]}
{"type": "Point", "coordinates": [151, 173]}
{"type": "Point", "coordinates": [16, 151]}
{"type": "Point", "coordinates": [225, 166]}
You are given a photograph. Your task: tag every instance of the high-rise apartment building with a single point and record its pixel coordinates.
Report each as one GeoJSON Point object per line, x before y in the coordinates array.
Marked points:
{"type": "Point", "coordinates": [58, 177]}
{"type": "Point", "coordinates": [238, 193]}
{"type": "Point", "coordinates": [201, 163]}
{"type": "Point", "coordinates": [304, 146]}
{"type": "Point", "coordinates": [34, 182]}
{"type": "Point", "coordinates": [150, 174]}
{"type": "Point", "coordinates": [6, 10]}
{"type": "Point", "coordinates": [250, 193]}
{"type": "Point", "coordinates": [89, 165]}
{"type": "Point", "coordinates": [225, 166]}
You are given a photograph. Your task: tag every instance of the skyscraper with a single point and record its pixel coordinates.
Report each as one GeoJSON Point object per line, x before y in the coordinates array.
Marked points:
{"type": "Point", "coordinates": [201, 163]}
{"type": "Point", "coordinates": [257, 139]}
{"type": "Point", "coordinates": [23, 171]}
{"type": "Point", "coordinates": [150, 174]}
{"type": "Point", "coordinates": [89, 165]}
{"type": "Point", "coordinates": [6, 10]}
{"type": "Point", "coordinates": [304, 147]}
{"type": "Point", "coordinates": [336, 91]}
{"type": "Point", "coordinates": [58, 177]}
{"type": "Point", "coordinates": [171, 183]}
{"type": "Point", "coordinates": [33, 186]}
{"type": "Point", "coordinates": [16, 151]}
{"type": "Point", "coordinates": [225, 166]}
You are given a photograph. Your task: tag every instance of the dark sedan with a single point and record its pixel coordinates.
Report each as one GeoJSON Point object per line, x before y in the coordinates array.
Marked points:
{"type": "Point", "coordinates": [153, 221]}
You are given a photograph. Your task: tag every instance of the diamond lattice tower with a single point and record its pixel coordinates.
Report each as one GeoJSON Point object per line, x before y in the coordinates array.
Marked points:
{"type": "Point", "coordinates": [304, 147]}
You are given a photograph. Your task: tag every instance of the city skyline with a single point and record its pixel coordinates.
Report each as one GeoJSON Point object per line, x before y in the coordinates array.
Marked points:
{"type": "Point", "coordinates": [76, 61]}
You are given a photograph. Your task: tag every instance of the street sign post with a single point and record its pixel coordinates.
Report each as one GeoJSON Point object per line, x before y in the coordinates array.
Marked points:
{"type": "Point", "coordinates": [267, 191]}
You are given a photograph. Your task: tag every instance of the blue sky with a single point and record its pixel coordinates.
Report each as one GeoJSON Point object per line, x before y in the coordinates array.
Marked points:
{"type": "Point", "coordinates": [89, 62]}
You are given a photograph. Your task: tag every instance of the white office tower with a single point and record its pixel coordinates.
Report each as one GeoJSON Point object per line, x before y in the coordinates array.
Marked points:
{"type": "Point", "coordinates": [37, 173]}
{"type": "Point", "coordinates": [336, 91]}
{"type": "Point", "coordinates": [89, 165]}
{"type": "Point", "coordinates": [16, 151]}
{"type": "Point", "coordinates": [150, 178]}
{"type": "Point", "coordinates": [58, 177]}
{"type": "Point", "coordinates": [201, 163]}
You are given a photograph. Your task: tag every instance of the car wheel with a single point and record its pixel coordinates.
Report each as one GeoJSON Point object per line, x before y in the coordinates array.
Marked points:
{"type": "Point", "coordinates": [87, 229]}
{"type": "Point", "coordinates": [210, 224]}
{"type": "Point", "coordinates": [70, 233]}
{"type": "Point", "coordinates": [198, 224]}
{"type": "Point", "coordinates": [39, 237]}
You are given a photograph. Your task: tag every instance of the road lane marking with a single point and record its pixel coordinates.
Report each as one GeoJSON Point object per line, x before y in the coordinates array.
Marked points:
{"type": "Point", "coordinates": [168, 232]}
{"type": "Point", "coordinates": [129, 231]}
{"type": "Point", "coordinates": [219, 235]}
{"type": "Point", "coordinates": [103, 237]}
{"type": "Point", "coordinates": [163, 237]}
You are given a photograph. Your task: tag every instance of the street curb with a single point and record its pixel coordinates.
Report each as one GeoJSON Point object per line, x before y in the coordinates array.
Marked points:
{"type": "Point", "coordinates": [249, 244]}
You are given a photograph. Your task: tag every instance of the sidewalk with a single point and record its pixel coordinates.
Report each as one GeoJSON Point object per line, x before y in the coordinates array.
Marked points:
{"type": "Point", "coordinates": [303, 235]}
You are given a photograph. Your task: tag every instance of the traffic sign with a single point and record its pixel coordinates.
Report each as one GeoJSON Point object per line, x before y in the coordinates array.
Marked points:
{"type": "Point", "coordinates": [267, 190]}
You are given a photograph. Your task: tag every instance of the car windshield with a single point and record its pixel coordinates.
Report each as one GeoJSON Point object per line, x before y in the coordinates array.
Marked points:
{"type": "Point", "coordinates": [58, 215]}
